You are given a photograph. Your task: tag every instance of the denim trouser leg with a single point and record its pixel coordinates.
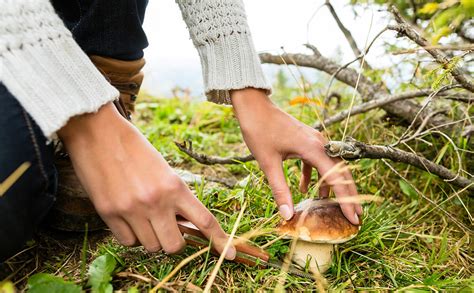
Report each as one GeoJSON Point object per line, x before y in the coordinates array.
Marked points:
{"type": "Point", "coordinates": [108, 28]}
{"type": "Point", "coordinates": [27, 201]}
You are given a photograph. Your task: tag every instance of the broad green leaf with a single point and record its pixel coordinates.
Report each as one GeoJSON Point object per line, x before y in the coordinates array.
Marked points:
{"type": "Point", "coordinates": [100, 274]}
{"type": "Point", "coordinates": [42, 283]}
{"type": "Point", "coordinates": [407, 189]}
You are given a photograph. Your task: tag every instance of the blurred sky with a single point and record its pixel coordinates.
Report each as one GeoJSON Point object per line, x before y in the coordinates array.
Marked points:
{"type": "Point", "coordinates": [172, 59]}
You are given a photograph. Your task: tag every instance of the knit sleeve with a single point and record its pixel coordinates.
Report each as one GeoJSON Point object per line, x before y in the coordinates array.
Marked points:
{"type": "Point", "coordinates": [219, 31]}
{"type": "Point", "coordinates": [43, 67]}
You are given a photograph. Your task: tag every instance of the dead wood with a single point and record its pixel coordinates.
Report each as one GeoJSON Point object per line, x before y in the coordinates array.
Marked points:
{"type": "Point", "coordinates": [406, 110]}
{"type": "Point", "coordinates": [351, 149]}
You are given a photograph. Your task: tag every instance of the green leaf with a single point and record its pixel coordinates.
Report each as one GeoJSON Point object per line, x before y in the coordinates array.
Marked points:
{"type": "Point", "coordinates": [42, 283]}
{"type": "Point", "coordinates": [407, 189]}
{"type": "Point", "coordinates": [100, 274]}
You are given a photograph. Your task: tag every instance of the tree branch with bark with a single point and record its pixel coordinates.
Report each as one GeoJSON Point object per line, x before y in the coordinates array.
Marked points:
{"type": "Point", "coordinates": [405, 29]}
{"type": "Point", "coordinates": [351, 149]}
{"type": "Point", "coordinates": [403, 109]}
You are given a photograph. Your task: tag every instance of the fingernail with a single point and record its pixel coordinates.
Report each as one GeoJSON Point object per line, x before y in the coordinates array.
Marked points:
{"type": "Point", "coordinates": [231, 253]}
{"type": "Point", "coordinates": [356, 218]}
{"type": "Point", "coordinates": [285, 212]}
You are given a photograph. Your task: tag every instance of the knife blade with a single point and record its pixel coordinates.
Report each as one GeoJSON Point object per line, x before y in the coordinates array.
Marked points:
{"type": "Point", "coordinates": [246, 253]}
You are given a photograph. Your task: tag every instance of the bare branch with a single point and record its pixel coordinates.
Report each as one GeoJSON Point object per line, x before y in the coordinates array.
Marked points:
{"type": "Point", "coordinates": [187, 148]}
{"type": "Point", "coordinates": [326, 99]}
{"type": "Point", "coordinates": [462, 47]}
{"type": "Point", "coordinates": [406, 110]}
{"type": "Point", "coordinates": [345, 75]}
{"type": "Point", "coordinates": [461, 98]}
{"type": "Point", "coordinates": [378, 103]}
{"type": "Point", "coordinates": [405, 29]}
{"type": "Point", "coordinates": [350, 39]}
{"type": "Point", "coordinates": [336, 96]}
{"type": "Point", "coordinates": [313, 48]}
{"type": "Point", "coordinates": [351, 149]}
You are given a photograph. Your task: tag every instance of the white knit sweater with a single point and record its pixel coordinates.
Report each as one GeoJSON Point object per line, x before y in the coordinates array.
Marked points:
{"type": "Point", "coordinates": [54, 80]}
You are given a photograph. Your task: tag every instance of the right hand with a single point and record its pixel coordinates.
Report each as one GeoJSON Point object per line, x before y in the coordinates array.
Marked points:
{"type": "Point", "coordinates": [135, 191]}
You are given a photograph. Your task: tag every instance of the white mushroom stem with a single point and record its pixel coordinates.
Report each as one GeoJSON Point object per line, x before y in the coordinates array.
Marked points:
{"type": "Point", "coordinates": [318, 255]}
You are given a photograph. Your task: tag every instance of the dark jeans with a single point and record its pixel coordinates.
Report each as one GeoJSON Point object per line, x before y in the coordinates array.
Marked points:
{"type": "Point", "coordinates": [27, 201]}
{"type": "Point", "coordinates": [110, 28]}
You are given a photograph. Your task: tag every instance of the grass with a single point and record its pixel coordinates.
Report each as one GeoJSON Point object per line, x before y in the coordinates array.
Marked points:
{"type": "Point", "coordinates": [406, 242]}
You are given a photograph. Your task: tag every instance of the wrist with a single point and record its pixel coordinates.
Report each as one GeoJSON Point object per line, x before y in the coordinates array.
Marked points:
{"type": "Point", "coordinates": [90, 126]}
{"type": "Point", "coordinates": [249, 100]}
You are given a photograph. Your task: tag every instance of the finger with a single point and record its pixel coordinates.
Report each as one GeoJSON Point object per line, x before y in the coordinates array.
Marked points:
{"type": "Point", "coordinates": [194, 211]}
{"type": "Point", "coordinates": [281, 191]}
{"type": "Point", "coordinates": [323, 188]}
{"type": "Point", "coordinates": [166, 228]}
{"type": "Point", "coordinates": [353, 191]}
{"type": "Point", "coordinates": [348, 209]}
{"type": "Point", "coordinates": [121, 230]}
{"type": "Point", "coordinates": [144, 231]}
{"type": "Point", "coordinates": [305, 179]}
{"type": "Point", "coordinates": [332, 174]}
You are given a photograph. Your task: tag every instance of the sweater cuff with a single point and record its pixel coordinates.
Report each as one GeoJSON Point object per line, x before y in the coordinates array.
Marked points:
{"type": "Point", "coordinates": [43, 67]}
{"type": "Point", "coordinates": [54, 81]}
{"type": "Point", "coordinates": [231, 63]}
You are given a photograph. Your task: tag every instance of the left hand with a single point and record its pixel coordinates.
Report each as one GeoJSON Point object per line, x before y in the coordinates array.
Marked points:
{"type": "Point", "coordinates": [274, 136]}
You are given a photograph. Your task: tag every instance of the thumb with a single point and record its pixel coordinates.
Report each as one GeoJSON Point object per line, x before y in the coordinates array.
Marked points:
{"type": "Point", "coordinates": [280, 190]}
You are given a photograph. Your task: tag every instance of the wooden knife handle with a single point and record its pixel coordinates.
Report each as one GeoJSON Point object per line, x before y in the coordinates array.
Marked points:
{"type": "Point", "coordinates": [242, 248]}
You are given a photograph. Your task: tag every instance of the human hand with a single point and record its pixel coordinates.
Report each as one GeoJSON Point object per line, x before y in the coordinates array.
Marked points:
{"type": "Point", "coordinates": [133, 188]}
{"type": "Point", "coordinates": [273, 136]}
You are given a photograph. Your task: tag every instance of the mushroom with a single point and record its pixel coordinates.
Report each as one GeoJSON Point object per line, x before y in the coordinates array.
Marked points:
{"type": "Point", "coordinates": [317, 225]}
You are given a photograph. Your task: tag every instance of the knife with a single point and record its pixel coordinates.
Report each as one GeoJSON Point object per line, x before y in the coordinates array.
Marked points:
{"type": "Point", "coordinates": [246, 253]}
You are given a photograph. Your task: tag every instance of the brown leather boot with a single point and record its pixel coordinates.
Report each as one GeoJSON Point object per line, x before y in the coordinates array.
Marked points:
{"type": "Point", "coordinates": [126, 76]}
{"type": "Point", "coordinates": [73, 208]}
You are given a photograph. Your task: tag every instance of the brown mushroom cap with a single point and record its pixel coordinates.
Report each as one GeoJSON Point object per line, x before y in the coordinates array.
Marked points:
{"type": "Point", "coordinates": [324, 222]}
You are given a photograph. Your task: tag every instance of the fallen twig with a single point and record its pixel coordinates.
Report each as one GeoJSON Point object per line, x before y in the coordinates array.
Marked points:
{"type": "Point", "coordinates": [351, 149]}
{"type": "Point", "coordinates": [187, 148]}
